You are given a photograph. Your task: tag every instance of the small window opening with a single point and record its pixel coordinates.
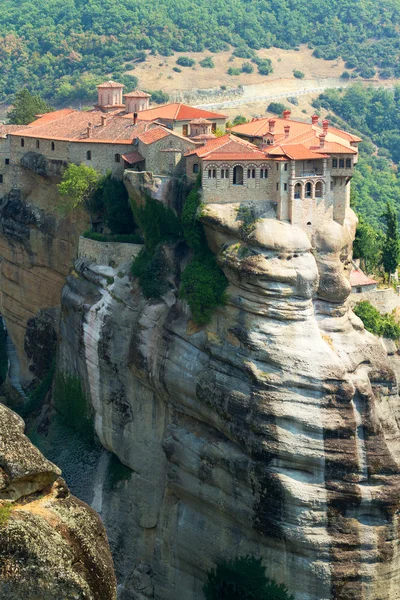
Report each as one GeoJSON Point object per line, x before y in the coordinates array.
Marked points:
{"type": "Point", "coordinates": [277, 186]}
{"type": "Point", "coordinates": [53, 146]}
{"type": "Point", "coordinates": [22, 142]}
{"type": "Point", "coordinates": [285, 187]}
{"type": "Point", "coordinates": [1, 178]}
{"type": "Point", "coordinates": [286, 166]}
{"type": "Point", "coordinates": [341, 163]}
{"type": "Point", "coordinates": [334, 163]}
{"type": "Point", "coordinates": [7, 161]}
{"type": "Point", "coordinates": [348, 163]}
{"type": "Point", "coordinates": [212, 173]}
{"type": "Point", "coordinates": [238, 175]}
{"type": "Point", "coordinates": [297, 190]}
{"type": "Point", "coordinates": [117, 158]}
{"type": "Point", "coordinates": [251, 173]}
{"type": "Point", "coordinates": [308, 190]}
{"type": "Point", "coordinates": [37, 144]}
{"type": "Point", "coordinates": [196, 168]}
{"type": "Point", "coordinates": [88, 155]}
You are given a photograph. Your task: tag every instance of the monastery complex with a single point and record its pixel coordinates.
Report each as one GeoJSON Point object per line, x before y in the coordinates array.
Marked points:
{"type": "Point", "coordinates": [301, 170]}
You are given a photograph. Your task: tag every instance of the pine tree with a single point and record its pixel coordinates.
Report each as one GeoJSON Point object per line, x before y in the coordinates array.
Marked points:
{"type": "Point", "coordinates": [26, 107]}
{"type": "Point", "coordinates": [391, 245]}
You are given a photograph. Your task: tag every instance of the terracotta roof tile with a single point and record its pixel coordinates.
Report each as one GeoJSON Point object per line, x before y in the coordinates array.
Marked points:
{"type": "Point", "coordinates": [294, 152]}
{"type": "Point", "coordinates": [153, 135]}
{"type": "Point", "coordinates": [335, 148]}
{"type": "Point", "coordinates": [137, 94]}
{"type": "Point", "coordinates": [110, 84]}
{"type": "Point", "coordinates": [5, 129]}
{"type": "Point", "coordinates": [133, 157]}
{"type": "Point", "coordinates": [358, 278]}
{"type": "Point", "coordinates": [229, 156]}
{"type": "Point", "coordinates": [177, 111]}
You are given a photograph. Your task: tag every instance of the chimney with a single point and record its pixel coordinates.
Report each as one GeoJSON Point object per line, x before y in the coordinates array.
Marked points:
{"type": "Point", "coordinates": [89, 130]}
{"type": "Point", "coordinates": [322, 140]}
{"type": "Point", "coordinates": [271, 125]}
{"type": "Point", "coordinates": [314, 119]}
{"type": "Point", "coordinates": [287, 131]}
{"type": "Point", "coordinates": [325, 125]}
{"type": "Point", "coordinates": [134, 118]}
{"type": "Point", "coordinates": [103, 121]}
{"type": "Point", "coordinates": [286, 114]}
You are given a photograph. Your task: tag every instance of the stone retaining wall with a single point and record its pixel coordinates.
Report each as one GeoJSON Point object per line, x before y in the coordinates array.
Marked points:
{"type": "Point", "coordinates": [107, 253]}
{"type": "Point", "coordinates": [385, 300]}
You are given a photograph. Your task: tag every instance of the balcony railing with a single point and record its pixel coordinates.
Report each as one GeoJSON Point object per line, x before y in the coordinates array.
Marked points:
{"type": "Point", "coordinates": [309, 174]}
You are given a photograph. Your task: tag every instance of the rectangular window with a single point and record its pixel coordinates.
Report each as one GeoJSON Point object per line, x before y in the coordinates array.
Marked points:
{"type": "Point", "coordinates": [334, 163]}
{"type": "Point", "coordinates": [331, 185]}
{"type": "Point", "coordinates": [1, 178]}
{"type": "Point", "coordinates": [185, 130]}
{"type": "Point", "coordinates": [7, 161]}
{"type": "Point", "coordinates": [286, 166]}
{"type": "Point", "coordinates": [222, 173]}
{"type": "Point", "coordinates": [348, 163]}
{"type": "Point", "coordinates": [341, 163]}
{"type": "Point", "coordinates": [277, 167]}
{"type": "Point", "coordinates": [277, 186]}
{"type": "Point", "coordinates": [261, 173]}
{"type": "Point", "coordinates": [285, 187]}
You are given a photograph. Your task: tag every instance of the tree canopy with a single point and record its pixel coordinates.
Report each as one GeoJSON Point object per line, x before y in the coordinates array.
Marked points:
{"type": "Point", "coordinates": [26, 107]}
{"type": "Point", "coordinates": [60, 49]}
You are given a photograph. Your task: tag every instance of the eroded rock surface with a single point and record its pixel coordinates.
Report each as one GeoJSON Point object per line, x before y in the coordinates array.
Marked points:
{"type": "Point", "coordinates": [52, 546]}
{"type": "Point", "coordinates": [271, 431]}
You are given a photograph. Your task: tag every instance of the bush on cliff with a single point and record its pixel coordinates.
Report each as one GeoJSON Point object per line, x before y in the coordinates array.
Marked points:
{"type": "Point", "coordinates": [157, 222]}
{"type": "Point", "coordinates": [77, 188]}
{"type": "Point", "coordinates": [243, 578]}
{"type": "Point", "coordinates": [203, 283]}
{"type": "Point", "coordinates": [111, 199]}
{"type": "Point", "coordinates": [382, 325]}
{"type": "Point", "coordinates": [152, 270]}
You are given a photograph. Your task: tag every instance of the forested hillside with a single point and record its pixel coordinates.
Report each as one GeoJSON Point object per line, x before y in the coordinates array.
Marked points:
{"type": "Point", "coordinates": [375, 114]}
{"type": "Point", "coordinates": [58, 48]}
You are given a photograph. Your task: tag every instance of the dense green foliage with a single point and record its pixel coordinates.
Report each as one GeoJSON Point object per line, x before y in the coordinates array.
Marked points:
{"type": "Point", "coordinates": [152, 270]}
{"type": "Point", "coordinates": [60, 48]}
{"type": "Point", "coordinates": [298, 74]}
{"type": "Point", "coordinates": [383, 325]}
{"type": "Point", "coordinates": [391, 244]}
{"type": "Point", "coordinates": [26, 107]}
{"type": "Point", "coordinates": [3, 353]}
{"type": "Point", "coordinates": [243, 578]}
{"type": "Point", "coordinates": [73, 405]}
{"type": "Point", "coordinates": [367, 246]}
{"type": "Point", "coordinates": [207, 63]}
{"type": "Point", "coordinates": [5, 512]}
{"type": "Point", "coordinates": [158, 223]}
{"type": "Point", "coordinates": [130, 238]}
{"type": "Point", "coordinates": [38, 395]}
{"type": "Point", "coordinates": [77, 188]}
{"type": "Point", "coordinates": [158, 96]}
{"type": "Point", "coordinates": [203, 283]}
{"type": "Point", "coordinates": [112, 201]}
{"type": "Point", "coordinates": [185, 61]}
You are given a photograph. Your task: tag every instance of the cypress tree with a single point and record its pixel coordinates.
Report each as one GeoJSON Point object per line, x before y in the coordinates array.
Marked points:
{"type": "Point", "coordinates": [391, 245]}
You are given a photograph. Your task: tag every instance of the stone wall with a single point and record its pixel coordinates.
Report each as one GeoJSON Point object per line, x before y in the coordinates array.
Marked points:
{"type": "Point", "coordinates": [107, 253]}
{"type": "Point", "coordinates": [161, 160]}
{"type": "Point", "coordinates": [386, 300]}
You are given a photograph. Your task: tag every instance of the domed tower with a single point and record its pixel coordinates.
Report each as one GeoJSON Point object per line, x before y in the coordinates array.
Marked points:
{"type": "Point", "coordinates": [136, 101]}
{"type": "Point", "coordinates": [110, 96]}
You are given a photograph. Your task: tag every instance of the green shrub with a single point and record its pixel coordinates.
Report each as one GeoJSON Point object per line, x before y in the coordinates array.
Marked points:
{"type": "Point", "coordinates": [152, 270]}
{"type": "Point", "coordinates": [73, 405]}
{"type": "Point", "coordinates": [185, 61]}
{"type": "Point", "coordinates": [207, 63]}
{"type": "Point", "coordinates": [131, 238]}
{"type": "Point", "coordinates": [243, 578]}
{"type": "Point", "coordinates": [157, 222]}
{"type": "Point", "coordinates": [203, 283]}
{"type": "Point", "coordinates": [382, 325]}
{"type": "Point", "coordinates": [276, 107]}
{"type": "Point", "coordinates": [177, 69]}
{"type": "Point", "coordinates": [5, 511]}
{"type": "Point", "coordinates": [247, 67]}
{"type": "Point", "coordinates": [298, 74]}
{"type": "Point", "coordinates": [264, 65]}
{"type": "Point", "coordinates": [111, 198]}
{"type": "Point", "coordinates": [233, 71]}
{"type": "Point", "coordinates": [3, 353]}
{"type": "Point", "coordinates": [158, 96]}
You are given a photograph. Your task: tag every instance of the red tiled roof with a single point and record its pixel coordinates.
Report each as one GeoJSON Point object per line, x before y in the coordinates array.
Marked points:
{"type": "Point", "coordinates": [335, 148]}
{"type": "Point", "coordinates": [5, 129]}
{"type": "Point", "coordinates": [351, 137]}
{"type": "Point", "coordinates": [226, 144]}
{"type": "Point", "coordinates": [137, 94]}
{"type": "Point", "coordinates": [358, 278]}
{"type": "Point", "coordinates": [228, 156]}
{"type": "Point", "coordinates": [153, 135]}
{"type": "Point", "coordinates": [110, 84]}
{"type": "Point", "coordinates": [294, 152]}
{"type": "Point", "coordinates": [133, 157]}
{"type": "Point", "coordinates": [178, 112]}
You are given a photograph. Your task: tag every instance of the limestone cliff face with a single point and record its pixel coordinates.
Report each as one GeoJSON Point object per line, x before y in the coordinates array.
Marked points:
{"type": "Point", "coordinates": [37, 248]}
{"type": "Point", "coordinates": [271, 431]}
{"type": "Point", "coordinates": [52, 546]}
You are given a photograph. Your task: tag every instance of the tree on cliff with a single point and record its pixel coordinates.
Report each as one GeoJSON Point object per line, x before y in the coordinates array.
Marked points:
{"type": "Point", "coordinates": [26, 107]}
{"type": "Point", "coordinates": [391, 245]}
{"type": "Point", "coordinates": [77, 188]}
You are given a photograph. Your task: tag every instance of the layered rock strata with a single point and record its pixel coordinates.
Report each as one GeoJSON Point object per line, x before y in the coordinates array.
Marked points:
{"type": "Point", "coordinates": [52, 546]}
{"type": "Point", "coordinates": [271, 431]}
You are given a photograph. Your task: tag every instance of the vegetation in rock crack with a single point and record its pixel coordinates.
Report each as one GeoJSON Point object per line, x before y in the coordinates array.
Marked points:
{"type": "Point", "coordinates": [158, 223]}
{"type": "Point", "coordinates": [130, 238]}
{"type": "Point", "coordinates": [38, 395]}
{"type": "Point", "coordinates": [111, 201]}
{"type": "Point", "coordinates": [152, 270]}
{"type": "Point", "coordinates": [3, 353]}
{"type": "Point", "coordinates": [5, 511]}
{"type": "Point", "coordinates": [26, 107]}
{"type": "Point", "coordinates": [73, 404]}
{"type": "Point", "coordinates": [382, 325]}
{"type": "Point", "coordinates": [60, 49]}
{"type": "Point", "coordinates": [243, 578]}
{"type": "Point", "coordinates": [203, 283]}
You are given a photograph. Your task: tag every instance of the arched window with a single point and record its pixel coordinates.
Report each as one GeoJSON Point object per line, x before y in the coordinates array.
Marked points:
{"type": "Point", "coordinates": [88, 155]}
{"type": "Point", "coordinates": [212, 173]}
{"type": "Point", "coordinates": [224, 173]}
{"type": "Point", "coordinates": [297, 190]}
{"type": "Point", "coordinates": [117, 158]}
{"type": "Point", "coordinates": [238, 175]}
{"type": "Point", "coordinates": [53, 146]}
{"type": "Point", "coordinates": [318, 189]}
{"type": "Point", "coordinates": [22, 142]}
{"type": "Point", "coordinates": [195, 167]}
{"type": "Point", "coordinates": [251, 173]}
{"type": "Point", "coordinates": [263, 173]}
{"type": "Point", "coordinates": [308, 189]}
{"type": "Point", "coordinates": [37, 144]}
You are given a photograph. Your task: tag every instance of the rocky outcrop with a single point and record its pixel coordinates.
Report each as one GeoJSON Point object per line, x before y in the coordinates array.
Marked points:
{"type": "Point", "coordinates": [37, 247]}
{"type": "Point", "coordinates": [271, 431]}
{"type": "Point", "coordinates": [52, 546]}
